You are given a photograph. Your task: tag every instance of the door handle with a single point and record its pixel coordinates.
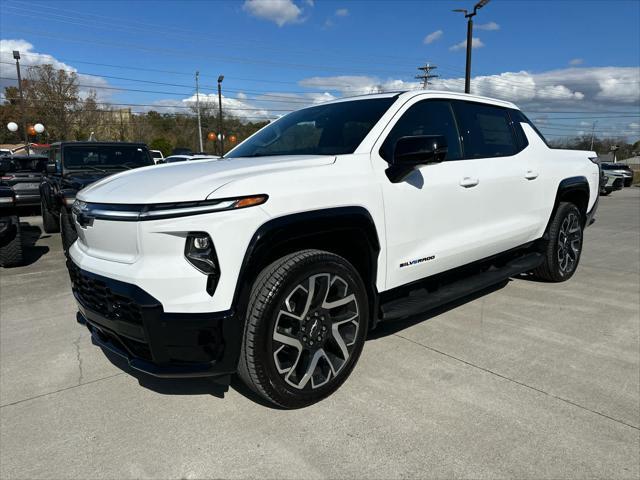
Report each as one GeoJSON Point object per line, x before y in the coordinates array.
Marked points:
{"type": "Point", "coordinates": [468, 182]}
{"type": "Point", "coordinates": [531, 175]}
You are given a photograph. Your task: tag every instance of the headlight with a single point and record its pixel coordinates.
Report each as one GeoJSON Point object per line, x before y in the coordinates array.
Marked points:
{"type": "Point", "coordinates": [200, 253]}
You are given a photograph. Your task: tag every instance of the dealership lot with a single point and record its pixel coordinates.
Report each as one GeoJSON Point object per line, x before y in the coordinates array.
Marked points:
{"type": "Point", "coordinates": [529, 380]}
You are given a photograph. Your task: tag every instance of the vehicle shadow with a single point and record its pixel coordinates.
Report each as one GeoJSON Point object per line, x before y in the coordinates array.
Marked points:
{"type": "Point", "coordinates": [218, 387]}
{"type": "Point", "coordinates": [170, 386]}
{"type": "Point", "coordinates": [31, 252]}
{"type": "Point", "coordinates": [384, 329]}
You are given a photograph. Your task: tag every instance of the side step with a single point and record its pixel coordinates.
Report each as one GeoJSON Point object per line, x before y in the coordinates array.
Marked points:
{"type": "Point", "coordinates": [415, 304]}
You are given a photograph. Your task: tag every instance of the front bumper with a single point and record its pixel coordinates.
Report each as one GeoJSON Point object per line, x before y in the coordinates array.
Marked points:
{"type": "Point", "coordinates": [28, 199]}
{"type": "Point", "coordinates": [127, 321]}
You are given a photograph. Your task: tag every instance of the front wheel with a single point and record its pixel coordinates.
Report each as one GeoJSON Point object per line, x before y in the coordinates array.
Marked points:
{"type": "Point", "coordinates": [49, 221]}
{"type": "Point", "coordinates": [67, 230]}
{"type": "Point", "coordinates": [11, 252]}
{"type": "Point", "coordinates": [563, 246]}
{"type": "Point", "coordinates": [305, 328]}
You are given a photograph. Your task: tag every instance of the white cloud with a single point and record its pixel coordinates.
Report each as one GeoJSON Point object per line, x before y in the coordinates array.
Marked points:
{"type": "Point", "coordinates": [580, 88]}
{"type": "Point", "coordinates": [238, 107]}
{"type": "Point", "coordinates": [432, 37]}
{"type": "Point", "coordinates": [31, 58]}
{"type": "Point", "coordinates": [342, 12]}
{"type": "Point", "coordinates": [574, 62]}
{"type": "Point", "coordinates": [488, 26]}
{"type": "Point", "coordinates": [634, 126]}
{"type": "Point", "coordinates": [475, 43]}
{"type": "Point", "coordinates": [280, 12]}
{"type": "Point", "coordinates": [558, 92]}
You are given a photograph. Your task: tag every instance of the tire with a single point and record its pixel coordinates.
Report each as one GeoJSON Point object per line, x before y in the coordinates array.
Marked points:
{"type": "Point", "coordinates": [50, 223]}
{"type": "Point", "coordinates": [563, 246]}
{"type": "Point", "coordinates": [11, 252]}
{"type": "Point", "coordinates": [67, 231]}
{"type": "Point", "coordinates": [287, 329]}
{"type": "Point", "coordinates": [605, 193]}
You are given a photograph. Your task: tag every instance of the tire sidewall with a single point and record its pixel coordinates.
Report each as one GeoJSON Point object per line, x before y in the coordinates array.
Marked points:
{"type": "Point", "coordinates": [320, 263]}
{"type": "Point", "coordinates": [563, 212]}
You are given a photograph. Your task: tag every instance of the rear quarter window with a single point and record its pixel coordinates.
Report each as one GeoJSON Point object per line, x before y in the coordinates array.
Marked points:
{"type": "Point", "coordinates": [485, 130]}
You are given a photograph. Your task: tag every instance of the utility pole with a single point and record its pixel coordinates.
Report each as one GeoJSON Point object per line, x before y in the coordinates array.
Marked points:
{"type": "Point", "coordinates": [198, 109]}
{"type": "Point", "coordinates": [469, 17]}
{"type": "Point", "coordinates": [220, 79]}
{"type": "Point", "coordinates": [16, 56]}
{"type": "Point", "coordinates": [426, 76]}
{"type": "Point", "coordinates": [593, 131]}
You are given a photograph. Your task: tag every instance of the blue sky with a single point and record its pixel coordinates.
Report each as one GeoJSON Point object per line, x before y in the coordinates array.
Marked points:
{"type": "Point", "coordinates": [547, 56]}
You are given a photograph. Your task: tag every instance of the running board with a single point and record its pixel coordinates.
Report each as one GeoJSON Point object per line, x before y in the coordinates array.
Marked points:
{"type": "Point", "coordinates": [415, 304]}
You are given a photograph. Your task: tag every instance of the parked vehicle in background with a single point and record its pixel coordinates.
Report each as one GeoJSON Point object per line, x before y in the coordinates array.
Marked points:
{"type": "Point", "coordinates": [619, 169]}
{"type": "Point", "coordinates": [188, 158]}
{"type": "Point", "coordinates": [5, 152]}
{"type": "Point", "coordinates": [74, 165]}
{"type": "Point", "coordinates": [275, 262]}
{"type": "Point", "coordinates": [614, 182]}
{"type": "Point", "coordinates": [23, 173]}
{"type": "Point", "coordinates": [157, 156]}
{"type": "Point", "coordinates": [10, 235]}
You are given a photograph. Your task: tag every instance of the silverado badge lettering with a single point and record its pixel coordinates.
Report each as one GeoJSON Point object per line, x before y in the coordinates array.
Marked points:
{"type": "Point", "coordinates": [416, 261]}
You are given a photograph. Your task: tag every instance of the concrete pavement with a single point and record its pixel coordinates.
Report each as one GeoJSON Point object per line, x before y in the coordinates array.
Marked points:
{"type": "Point", "coordinates": [530, 380]}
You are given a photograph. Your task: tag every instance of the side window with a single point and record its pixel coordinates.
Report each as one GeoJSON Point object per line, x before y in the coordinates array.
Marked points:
{"type": "Point", "coordinates": [486, 130]}
{"type": "Point", "coordinates": [428, 117]}
{"type": "Point", "coordinates": [57, 158]}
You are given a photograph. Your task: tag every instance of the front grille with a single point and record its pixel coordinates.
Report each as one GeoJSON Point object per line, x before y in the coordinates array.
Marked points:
{"type": "Point", "coordinates": [95, 295]}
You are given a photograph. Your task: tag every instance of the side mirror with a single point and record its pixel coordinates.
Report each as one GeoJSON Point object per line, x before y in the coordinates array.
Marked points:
{"type": "Point", "coordinates": [51, 168]}
{"type": "Point", "coordinates": [409, 152]}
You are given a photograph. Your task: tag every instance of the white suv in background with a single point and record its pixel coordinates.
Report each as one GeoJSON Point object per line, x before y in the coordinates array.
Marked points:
{"type": "Point", "coordinates": [275, 261]}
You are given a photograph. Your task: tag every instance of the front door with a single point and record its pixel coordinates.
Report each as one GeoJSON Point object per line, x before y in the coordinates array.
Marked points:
{"type": "Point", "coordinates": [433, 217]}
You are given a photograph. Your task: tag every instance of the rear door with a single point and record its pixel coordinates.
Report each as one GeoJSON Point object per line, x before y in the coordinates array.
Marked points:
{"type": "Point", "coordinates": [509, 189]}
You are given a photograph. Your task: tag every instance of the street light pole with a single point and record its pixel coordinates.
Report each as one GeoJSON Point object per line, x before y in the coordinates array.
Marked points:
{"type": "Point", "coordinates": [469, 17]}
{"type": "Point", "coordinates": [198, 108]}
{"type": "Point", "coordinates": [220, 79]}
{"type": "Point", "coordinates": [467, 72]}
{"type": "Point", "coordinates": [16, 56]}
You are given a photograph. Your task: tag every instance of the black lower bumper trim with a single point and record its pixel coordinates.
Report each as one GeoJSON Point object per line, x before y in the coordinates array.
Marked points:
{"type": "Point", "coordinates": [153, 341]}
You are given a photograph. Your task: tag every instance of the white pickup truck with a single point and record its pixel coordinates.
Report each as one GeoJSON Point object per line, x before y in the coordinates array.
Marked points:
{"type": "Point", "coordinates": [275, 261]}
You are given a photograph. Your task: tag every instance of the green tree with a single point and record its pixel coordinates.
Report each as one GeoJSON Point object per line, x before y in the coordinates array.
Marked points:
{"type": "Point", "coordinates": [162, 144]}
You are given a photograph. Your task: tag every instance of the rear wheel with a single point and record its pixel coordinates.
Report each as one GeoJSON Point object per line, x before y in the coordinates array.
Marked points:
{"type": "Point", "coordinates": [50, 223]}
{"type": "Point", "coordinates": [305, 328]}
{"type": "Point", "coordinates": [11, 252]}
{"type": "Point", "coordinates": [67, 230]}
{"type": "Point", "coordinates": [563, 246]}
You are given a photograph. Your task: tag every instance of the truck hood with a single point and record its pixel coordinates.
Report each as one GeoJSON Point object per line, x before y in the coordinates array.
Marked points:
{"type": "Point", "coordinates": [189, 181]}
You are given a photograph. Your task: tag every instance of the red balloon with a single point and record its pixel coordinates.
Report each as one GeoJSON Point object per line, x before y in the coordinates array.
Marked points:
{"type": "Point", "coordinates": [233, 138]}
{"type": "Point", "coordinates": [211, 136]}
{"type": "Point", "coordinates": [31, 130]}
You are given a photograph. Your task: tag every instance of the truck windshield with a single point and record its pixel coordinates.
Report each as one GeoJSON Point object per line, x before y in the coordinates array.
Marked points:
{"type": "Point", "coordinates": [105, 156]}
{"type": "Point", "coordinates": [333, 129]}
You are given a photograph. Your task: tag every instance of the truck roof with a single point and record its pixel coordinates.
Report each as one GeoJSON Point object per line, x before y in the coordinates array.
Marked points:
{"type": "Point", "coordinates": [433, 93]}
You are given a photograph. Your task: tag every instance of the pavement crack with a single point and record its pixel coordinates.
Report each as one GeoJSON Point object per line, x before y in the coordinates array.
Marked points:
{"type": "Point", "coordinates": [518, 382]}
{"type": "Point", "coordinates": [61, 390]}
{"type": "Point", "coordinates": [79, 359]}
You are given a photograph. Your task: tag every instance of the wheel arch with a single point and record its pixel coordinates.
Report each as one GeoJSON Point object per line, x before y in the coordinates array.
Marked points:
{"type": "Point", "coordinates": [575, 190]}
{"type": "Point", "coordinates": [346, 231]}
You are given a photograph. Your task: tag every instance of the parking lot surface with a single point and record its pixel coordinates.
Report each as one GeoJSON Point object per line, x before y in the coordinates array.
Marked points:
{"type": "Point", "coordinates": [530, 380]}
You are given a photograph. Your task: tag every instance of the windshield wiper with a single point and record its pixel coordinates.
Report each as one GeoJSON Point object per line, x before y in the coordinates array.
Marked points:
{"type": "Point", "coordinates": [89, 166]}
{"type": "Point", "coordinates": [120, 165]}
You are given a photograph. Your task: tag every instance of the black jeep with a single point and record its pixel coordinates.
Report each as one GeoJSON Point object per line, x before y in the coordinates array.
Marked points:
{"type": "Point", "coordinates": [23, 173]}
{"type": "Point", "coordinates": [74, 165]}
{"type": "Point", "coordinates": [10, 237]}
